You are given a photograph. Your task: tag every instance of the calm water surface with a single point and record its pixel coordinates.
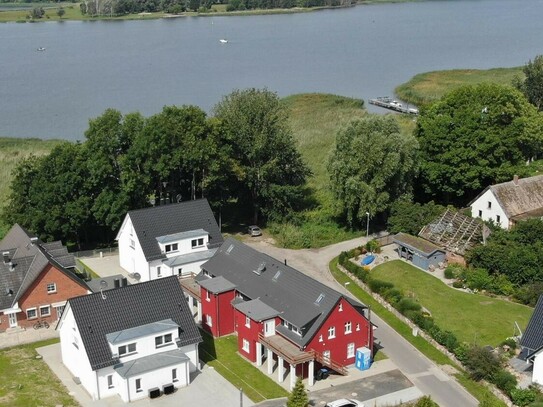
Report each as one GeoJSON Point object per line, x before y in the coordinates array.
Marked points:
{"type": "Point", "coordinates": [361, 52]}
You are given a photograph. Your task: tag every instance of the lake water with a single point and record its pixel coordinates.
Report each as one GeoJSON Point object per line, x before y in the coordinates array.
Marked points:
{"type": "Point", "coordinates": [361, 52]}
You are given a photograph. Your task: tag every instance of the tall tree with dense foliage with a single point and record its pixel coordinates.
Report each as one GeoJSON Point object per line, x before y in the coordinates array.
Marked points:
{"type": "Point", "coordinates": [269, 168]}
{"type": "Point", "coordinates": [109, 138]}
{"type": "Point", "coordinates": [409, 217]}
{"type": "Point", "coordinates": [50, 195]}
{"type": "Point", "coordinates": [474, 137]}
{"type": "Point", "coordinates": [532, 85]}
{"type": "Point", "coordinates": [298, 397]}
{"type": "Point", "coordinates": [372, 165]}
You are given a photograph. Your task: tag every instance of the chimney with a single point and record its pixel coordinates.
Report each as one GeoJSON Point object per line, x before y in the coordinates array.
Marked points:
{"type": "Point", "coordinates": [515, 180]}
{"type": "Point", "coordinates": [124, 282]}
{"type": "Point", "coordinates": [6, 257]}
{"type": "Point", "coordinates": [11, 266]}
{"type": "Point", "coordinates": [116, 283]}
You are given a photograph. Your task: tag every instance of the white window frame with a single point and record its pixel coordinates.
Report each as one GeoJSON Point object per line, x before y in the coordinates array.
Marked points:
{"type": "Point", "coordinates": [51, 288]}
{"type": "Point", "coordinates": [357, 327]}
{"type": "Point", "coordinates": [197, 243]}
{"type": "Point", "coordinates": [110, 381]}
{"type": "Point", "coordinates": [498, 218]}
{"type": "Point", "coordinates": [350, 350]}
{"type": "Point", "coordinates": [332, 332]}
{"type": "Point", "coordinates": [48, 308]}
{"type": "Point", "coordinates": [340, 307]}
{"type": "Point", "coordinates": [174, 375]}
{"type": "Point", "coordinates": [246, 346]}
{"type": "Point", "coordinates": [132, 243]}
{"type": "Point", "coordinates": [247, 321]}
{"type": "Point", "coordinates": [209, 320]}
{"type": "Point", "coordinates": [208, 297]}
{"type": "Point", "coordinates": [348, 327]}
{"type": "Point", "coordinates": [35, 313]}
{"type": "Point", "coordinates": [138, 386]}
{"type": "Point", "coordinates": [158, 271]}
{"type": "Point", "coordinates": [129, 349]}
{"type": "Point", "coordinates": [163, 340]}
{"type": "Point", "coordinates": [173, 247]}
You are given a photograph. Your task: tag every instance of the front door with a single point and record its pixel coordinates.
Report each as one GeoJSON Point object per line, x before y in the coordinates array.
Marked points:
{"type": "Point", "coordinates": [269, 328]}
{"type": "Point", "coordinates": [12, 320]}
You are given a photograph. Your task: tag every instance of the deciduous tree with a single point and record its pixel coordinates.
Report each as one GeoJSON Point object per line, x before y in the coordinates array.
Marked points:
{"type": "Point", "coordinates": [269, 168]}
{"type": "Point", "coordinates": [371, 166]}
{"type": "Point", "coordinates": [532, 85]}
{"type": "Point", "coordinates": [474, 137]}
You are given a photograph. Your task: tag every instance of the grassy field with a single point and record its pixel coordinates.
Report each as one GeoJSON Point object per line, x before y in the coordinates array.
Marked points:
{"type": "Point", "coordinates": [428, 87]}
{"type": "Point", "coordinates": [472, 318]}
{"type": "Point", "coordinates": [12, 150]}
{"type": "Point", "coordinates": [222, 354]}
{"type": "Point", "coordinates": [478, 390]}
{"type": "Point", "coordinates": [27, 381]}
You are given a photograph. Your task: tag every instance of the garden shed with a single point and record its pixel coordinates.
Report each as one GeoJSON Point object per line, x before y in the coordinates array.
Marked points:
{"type": "Point", "coordinates": [420, 252]}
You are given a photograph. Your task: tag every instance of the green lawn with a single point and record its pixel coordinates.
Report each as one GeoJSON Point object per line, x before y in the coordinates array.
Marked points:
{"type": "Point", "coordinates": [222, 354]}
{"type": "Point", "coordinates": [430, 86]}
{"type": "Point", "coordinates": [478, 390]}
{"type": "Point", "coordinates": [27, 381]}
{"type": "Point", "coordinates": [472, 318]}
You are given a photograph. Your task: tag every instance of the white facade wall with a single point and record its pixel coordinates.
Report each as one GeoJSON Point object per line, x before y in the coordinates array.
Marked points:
{"type": "Point", "coordinates": [118, 382]}
{"type": "Point", "coordinates": [487, 208]}
{"type": "Point", "coordinates": [131, 257]}
{"type": "Point", "coordinates": [191, 351]}
{"type": "Point", "coordinates": [537, 374]}
{"type": "Point", "coordinates": [75, 358]}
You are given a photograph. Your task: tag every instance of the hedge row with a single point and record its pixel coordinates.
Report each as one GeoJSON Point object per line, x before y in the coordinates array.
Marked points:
{"type": "Point", "coordinates": [480, 362]}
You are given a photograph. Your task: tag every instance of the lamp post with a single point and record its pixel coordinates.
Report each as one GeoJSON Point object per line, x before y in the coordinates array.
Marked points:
{"type": "Point", "coordinates": [367, 224]}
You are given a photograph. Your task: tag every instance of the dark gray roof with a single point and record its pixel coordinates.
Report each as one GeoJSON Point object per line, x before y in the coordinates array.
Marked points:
{"type": "Point", "coordinates": [150, 363]}
{"type": "Point", "coordinates": [532, 339]}
{"type": "Point", "coordinates": [217, 285]}
{"type": "Point", "coordinates": [28, 256]}
{"type": "Point", "coordinates": [417, 243]}
{"type": "Point", "coordinates": [256, 309]}
{"type": "Point", "coordinates": [163, 220]}
{"type": "Point", "coordinates": [301, 300]}
{"type": "Point", "coordinates": [129, 307]}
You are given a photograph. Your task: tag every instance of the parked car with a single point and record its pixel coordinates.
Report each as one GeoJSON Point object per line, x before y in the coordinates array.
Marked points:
{"type": "Point", "coordinates": [254, 231]}
{"type": "Point", "coordinates": [345, 403]}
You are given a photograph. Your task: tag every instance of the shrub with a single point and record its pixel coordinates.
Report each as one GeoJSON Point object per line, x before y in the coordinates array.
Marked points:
{"type": "Point", "coordinates": [357, 252]}
{"type": "Point", "coordinates": [478, 279]}
{"type": "Point", "coordinates": [379, 286]}
{"type": "Point", "coordinates": [423, 321]}
{"type": "Point", "coordinates": [458, 284]}
{"type": "Point", "coordinates": [426, 401]}
{"type": "Point", "coordinates": [481, 363]}
{"type": "Point", "coordinates": [393, 295]}
{"type": "Point", "coordinates": [436, 333]}
{"type": "Point", "coordinates": [450, 341]}
{"type": "Point", "coordinates": [523, 397]}
{"type": "Point", "coordinates": [462, 352]}
{"type": "Point", "coordinates": [504, 381]}
{"type": "Point", "coordinates": [511, 342]}
{"type": "Point", "coordinates": [449, 273]}
{"type": "Point", "coordinates": [407, 304]}
{"type": "Point", "coordinates": [502, 285]}
{"type": "Point", "coordinates": [373, 246]}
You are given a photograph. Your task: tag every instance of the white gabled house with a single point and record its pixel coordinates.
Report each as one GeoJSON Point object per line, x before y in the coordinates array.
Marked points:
{"type": "Point", "coordinates": [507, 203]}
{"type": "Point", "coordinates": [134, 341]}
{"type": "Point", "coordinates": [168, 240]}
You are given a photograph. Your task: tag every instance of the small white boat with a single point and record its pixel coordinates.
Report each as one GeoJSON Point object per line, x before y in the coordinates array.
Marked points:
{"type": "Point", "coordinates": [223, 41]}
{"type": "Point", "coordinates": [41, 49]}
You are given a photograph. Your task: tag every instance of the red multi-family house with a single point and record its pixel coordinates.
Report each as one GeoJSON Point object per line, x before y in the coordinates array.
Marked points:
{"type": "Point", "coordinates": [281, 316]}
{"type": "Point", "coordinates": [36, 279]}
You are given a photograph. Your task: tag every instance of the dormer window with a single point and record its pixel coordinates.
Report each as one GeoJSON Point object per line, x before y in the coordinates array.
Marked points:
{"type": "Point", "coordinates": [171, 247]}
{"type": "Point", "coordinates": [195, 243]}
{"type": "Point", "coordinates": [127, 349]}
{"type": "Point", "coordinates": [163, 340]}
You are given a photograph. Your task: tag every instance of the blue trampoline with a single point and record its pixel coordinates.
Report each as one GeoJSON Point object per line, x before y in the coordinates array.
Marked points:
{"type": "Point", "coordinates": [367, 260]}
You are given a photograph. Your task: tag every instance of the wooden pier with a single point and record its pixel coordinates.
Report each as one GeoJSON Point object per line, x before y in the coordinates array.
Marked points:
{"type": "Point", "coordinates": [389, 103]}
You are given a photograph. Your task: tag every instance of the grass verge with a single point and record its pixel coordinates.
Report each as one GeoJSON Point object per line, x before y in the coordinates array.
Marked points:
{"type": "Point", "coordinates": [27, 381]}
{"type": "Point", "coordinates": [476, 318]}
{"type": "Point", "coordinates": [478, 390]}
{"type": "Point", "coordinates": [429, 87]}
{"type": "Point", "coordinates": [222, 355]}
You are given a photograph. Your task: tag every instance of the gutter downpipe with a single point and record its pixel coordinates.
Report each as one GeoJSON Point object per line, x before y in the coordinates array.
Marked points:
{"type": "Point", "coordinates": [97, 384]}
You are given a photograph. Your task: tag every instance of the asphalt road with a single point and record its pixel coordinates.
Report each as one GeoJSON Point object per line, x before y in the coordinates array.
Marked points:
{"type": "Point", "coordinates": [420, 370]}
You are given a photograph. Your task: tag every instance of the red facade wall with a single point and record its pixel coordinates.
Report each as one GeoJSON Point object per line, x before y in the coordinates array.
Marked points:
{"type": "Point", "coordinates": [249, 333]}
{"type": "Point", "coordinates": [37, 296]}
{"type": "Point", "coordinates": [361, 336]}
{"type": "Point", "coordinates": [221, 311]}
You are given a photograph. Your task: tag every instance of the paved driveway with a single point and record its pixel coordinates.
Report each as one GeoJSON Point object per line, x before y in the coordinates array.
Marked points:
{"type": "Point", "coordinates": [420, 370]}
{"type": "Point", "coordinates": [207, 388]}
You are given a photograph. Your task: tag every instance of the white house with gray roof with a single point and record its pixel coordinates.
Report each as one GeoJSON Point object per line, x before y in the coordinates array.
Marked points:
{"type": "Point", "coordinates": [510, 202]}
{"type": "Point", "coordinates": [168, 240]}
{"type": "Point", "coordinates": [134, 341]}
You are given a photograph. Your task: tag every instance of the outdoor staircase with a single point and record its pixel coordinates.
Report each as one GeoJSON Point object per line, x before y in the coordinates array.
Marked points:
{"type": "Point", "coordinates": [328, 362]}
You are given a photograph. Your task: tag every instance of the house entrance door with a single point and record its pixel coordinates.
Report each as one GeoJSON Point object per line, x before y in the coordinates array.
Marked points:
{"type": "Point", "coordinates": [12, 320]}
{"type": "Point", "coordinates": [269, 328]}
